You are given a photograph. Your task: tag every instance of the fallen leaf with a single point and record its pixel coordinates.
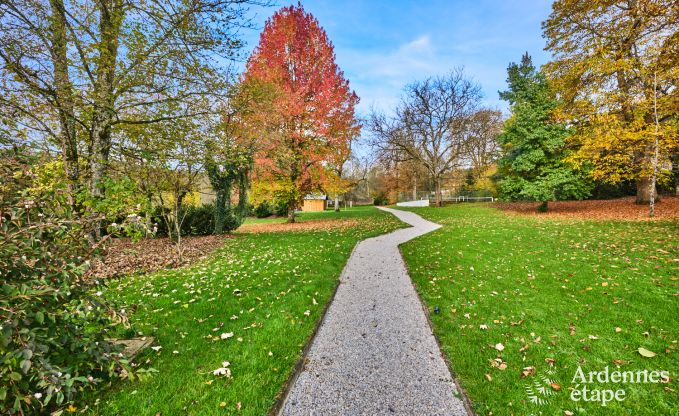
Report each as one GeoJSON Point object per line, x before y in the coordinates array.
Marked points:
{"type": "Point", "coordinates": [646, 353]}
{"type": "Point", "coordinates": [527, 371]}
{"type": "Point", "coordinates": [499, 346]}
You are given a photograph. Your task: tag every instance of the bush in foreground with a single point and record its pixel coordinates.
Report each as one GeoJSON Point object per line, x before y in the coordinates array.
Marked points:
{"type": "Point", "coordinates": [53, 323]}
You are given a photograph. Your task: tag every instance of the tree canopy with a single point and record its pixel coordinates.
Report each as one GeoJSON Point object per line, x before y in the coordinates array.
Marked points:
{"type": "Point", "coordinates": [313, 113]}
{"type": "Point", "coordinates": [611, 60]}
{"type": "Point", "coordinates": [534, 145]}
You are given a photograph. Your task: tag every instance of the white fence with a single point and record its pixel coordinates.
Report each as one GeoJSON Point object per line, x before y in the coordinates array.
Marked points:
{"type": "Point", "coordinates": [420, 203]}
{"type": "Point", "coordinates": [470, 199]}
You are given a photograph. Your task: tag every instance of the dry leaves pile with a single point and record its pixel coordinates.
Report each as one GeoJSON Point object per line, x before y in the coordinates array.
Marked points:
{"type": "Point", "coordinates": [618, 209]}
{"type": "Point", "coordinates": [315, 225]}
{"type": "Point", "coordinates": [123, 256]}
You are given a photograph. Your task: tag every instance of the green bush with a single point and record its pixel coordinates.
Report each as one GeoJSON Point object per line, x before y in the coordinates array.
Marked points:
{"type": "Point", "coordinates": [54, 324]}
{"type": "Point", "coordinates": [381, 198]}
{"type": "Point", "coordinates": [197, 220]}
{"type": "Point", "coordinates": [263, 210]}
{"type": "Point", "coordinates": [267, 209]}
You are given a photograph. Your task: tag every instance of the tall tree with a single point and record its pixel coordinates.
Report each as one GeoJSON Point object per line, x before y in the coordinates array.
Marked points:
{"type": "Point", "coordinates": [431, 124]}
{"type": "Point", "coordinates": [335, 180]}
{"type": "Point", "coordinates": [607, 55]}
{"type": "Point", "coordinates": [482, 145]}
{"type": "Point", "coordinates": [314, 108]}
{"type": "Point", "coordinates": [77, 74]}
{"type": "Point", "coordinates": [534, 145]}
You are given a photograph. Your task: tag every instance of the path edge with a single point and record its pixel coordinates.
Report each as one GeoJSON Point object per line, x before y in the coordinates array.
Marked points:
{"type": "Point", "coordinates": [282, 396]}
{"type": "Point", "coordinates": [464, 397]}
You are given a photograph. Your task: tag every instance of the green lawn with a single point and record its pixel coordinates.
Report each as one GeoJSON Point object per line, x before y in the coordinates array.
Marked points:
{"type": "Point", "coordinates": [268, 289]}
{"type": "Point", "coordinates": [328, 214]}
{"type": "Point", "coordinates": [586, 293]}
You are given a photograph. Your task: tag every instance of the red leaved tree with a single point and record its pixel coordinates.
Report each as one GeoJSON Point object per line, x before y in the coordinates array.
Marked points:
{"type": "Point", "coordinates": [312, 112]}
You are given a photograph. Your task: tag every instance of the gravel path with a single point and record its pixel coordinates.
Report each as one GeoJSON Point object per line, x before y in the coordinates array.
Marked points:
{"type": "Point", "coordinates": [375, 353]}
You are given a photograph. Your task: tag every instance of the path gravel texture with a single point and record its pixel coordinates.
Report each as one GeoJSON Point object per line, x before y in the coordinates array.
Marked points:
{"type": "Point", "coordinates": [374, 353]}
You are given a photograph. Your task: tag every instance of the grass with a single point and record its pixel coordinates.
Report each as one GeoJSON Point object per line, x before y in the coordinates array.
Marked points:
{"type": "Point", "coordinates": [328, 214]}
{"type": "Point", "coordinates": [570, 293]}
{"type": "Point", "coordinates": [268, 289]}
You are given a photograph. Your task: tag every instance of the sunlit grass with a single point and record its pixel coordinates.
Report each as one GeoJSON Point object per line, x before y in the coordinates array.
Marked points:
{"type": "Point", "coordinates": [550, 292]}
{"type": "Point", "coordinates": [268, 289]}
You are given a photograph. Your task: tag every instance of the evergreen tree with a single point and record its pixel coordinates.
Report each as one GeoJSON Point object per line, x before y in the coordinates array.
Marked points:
{"type": "Point", "coordinates": [534, 147]}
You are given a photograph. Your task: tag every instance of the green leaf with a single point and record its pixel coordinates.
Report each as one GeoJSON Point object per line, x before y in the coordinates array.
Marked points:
{"type": "Point", "coordinates": [39, 317]}
{"type": "Point", "coordinates": [15, 376]}
{"type": "Point", "coordinates": [25, 365]}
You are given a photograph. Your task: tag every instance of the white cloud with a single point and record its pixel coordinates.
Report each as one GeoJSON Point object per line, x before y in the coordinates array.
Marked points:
{"type": "Point", "coordinates": [379, 76]}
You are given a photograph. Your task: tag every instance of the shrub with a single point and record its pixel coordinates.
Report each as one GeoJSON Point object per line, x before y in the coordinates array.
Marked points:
{"type": "Point", "coordinates": [53, 323]}
{"type": "Point", "coordinates": [196, 220]}
{"type": "Point", "coordinates": [263, 210]}
{"type": "Point", "coordinates": [381, 198]}
{"type": "Point", "coordinates": [199, 220]}
{"type": "Point", "coordinates": [268, 208]}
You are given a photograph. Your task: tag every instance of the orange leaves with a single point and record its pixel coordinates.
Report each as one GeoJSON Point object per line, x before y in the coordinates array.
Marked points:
{"type": "Point", "coordinates": [313, 115]}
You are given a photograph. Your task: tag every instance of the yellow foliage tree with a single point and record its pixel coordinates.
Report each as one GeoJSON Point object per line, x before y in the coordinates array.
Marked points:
{"type": "Point", "coordinates": [612, 61]}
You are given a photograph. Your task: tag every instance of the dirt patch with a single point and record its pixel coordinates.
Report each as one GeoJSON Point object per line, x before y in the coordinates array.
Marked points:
{"type": "Point", "coordinates": [316, 225]}
{"type": "Point", "coordinates": [123, 256]}
{"type": "Point", "coordinates": [614, 209]}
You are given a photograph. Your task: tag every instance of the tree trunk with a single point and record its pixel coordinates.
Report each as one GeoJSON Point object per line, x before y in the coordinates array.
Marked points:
{"type": "Point", "coordinates": [222, 208]}
{"type": "Point", "coordinates": [337, 207]}
{"type": "Point", "coordinates": [110, 21]}
{"type": "Point", "coordinates": [644, 190]}
{"type": "Point", "coordinates": [291, 211]}
{"type": "Point", "coordinates": [414, 189]}
{"type": "Point", "coordinates": [439, 197]}
{"type": "Point", "coordinates": [64, 93]}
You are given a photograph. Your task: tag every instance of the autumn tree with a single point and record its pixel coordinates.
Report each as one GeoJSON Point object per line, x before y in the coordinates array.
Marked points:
{"type": "Point", "coordinates": [313, 114]}
{"type": "Point", "coordinates": [335, 181]}
{"type": "Point", "coordinates": [607, 58]}
{"type": "Point", "coordinates": [431, 124]}
{"type": "Point", "coordinates": [77, 74]}
{"type": "Point", "coordinates": [534, 145]}
{"type": "Point", "coordinates": [482, 146]}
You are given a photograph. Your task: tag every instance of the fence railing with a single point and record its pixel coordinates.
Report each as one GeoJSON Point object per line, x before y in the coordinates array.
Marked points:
{"type": "Point", "coordinates": [447, 196]}
{"type": "Point", "coordinates": [463, 198]}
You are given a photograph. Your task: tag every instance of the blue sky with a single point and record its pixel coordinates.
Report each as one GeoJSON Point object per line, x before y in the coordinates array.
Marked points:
{"type": "Point", "coordinates": [382, 45]}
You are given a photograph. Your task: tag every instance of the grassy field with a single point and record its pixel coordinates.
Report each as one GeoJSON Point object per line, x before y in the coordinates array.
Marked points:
{"type": "Point", "coordinates": [353, 212]}
{"type": "Point", "coordinates": [253, 303]}
{"type": "Point", "coordinates": [524, 301]}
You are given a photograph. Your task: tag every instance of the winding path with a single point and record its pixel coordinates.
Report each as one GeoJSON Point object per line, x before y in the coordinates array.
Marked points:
{"type": "Point", "coordinates": [374, 353]}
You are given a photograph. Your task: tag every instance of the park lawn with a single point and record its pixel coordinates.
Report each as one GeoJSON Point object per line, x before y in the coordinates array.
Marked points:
{"type": "Point", "coordinates": [268, 289]}
{"type": "Point", "coordinates": [328, 214]}
{"type": "Point", "coordinates": [550, 291]}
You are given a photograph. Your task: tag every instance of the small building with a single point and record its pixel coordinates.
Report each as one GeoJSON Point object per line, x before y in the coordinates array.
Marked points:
{"type": "Point", "coordinates": [314, 203]}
